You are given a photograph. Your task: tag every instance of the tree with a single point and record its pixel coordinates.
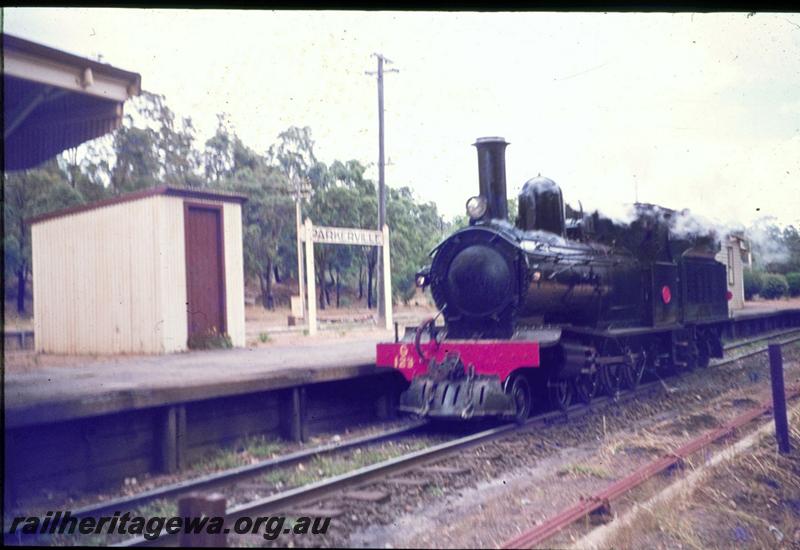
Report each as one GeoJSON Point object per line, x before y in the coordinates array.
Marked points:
{"type": "Point", "coordinates": [775, 286]}
{"type": "Point", "coordinates": [753, 282]}
{"type": "Point", "coordinates": [137, 163]}
{"type": "Point", "coordinates": [416, 228]}
{"type": "Point", "coordinates": [27, 194]}
{"type": "Point", "coordinates": [294, 152]}
{"type": "Point", "coordinates": [265, 217]}
{"type": "Point", "coordinates": [218, 155]}
{"type": "Point", "coordinates": [793, 280]}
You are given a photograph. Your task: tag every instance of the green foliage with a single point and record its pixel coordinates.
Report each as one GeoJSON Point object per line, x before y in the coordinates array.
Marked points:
{"type": "Point", "coordinates": [415, 230]}
{"type": "Point", "coordinates": [753, 282]}
{"type": "Point", "coordinates": [793, 280]}
{"type": "Point", "coordinates": [27, 194]}
{"type": "Point", "coordinates": [775, 286]}
{"type": "Point", "coordinates": [210, 340]}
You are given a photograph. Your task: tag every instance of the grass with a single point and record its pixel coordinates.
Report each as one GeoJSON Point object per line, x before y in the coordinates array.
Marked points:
{"type": "Point", "coordinates": [435, 491]}
{"type": "Point", "coordinates": [584, 470]}
{"type": "Point", "coordinates": [159, 508]}
{"type": "Point", "coordinates": [263, 337]}
{"type": "Point", "coordinates": [245, 451]}
{"type": "Point", "coordinates": [210, 340]}
{"type": "Point", "coordinates": [322, 467]}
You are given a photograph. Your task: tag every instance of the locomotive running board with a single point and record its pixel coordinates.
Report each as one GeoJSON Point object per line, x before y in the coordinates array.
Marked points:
{"type": "Point", "coordinates": [622, 332]}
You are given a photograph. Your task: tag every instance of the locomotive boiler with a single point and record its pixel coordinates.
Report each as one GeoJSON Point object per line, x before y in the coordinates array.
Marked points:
{"type": "Point", "coordinates": [553, 307]}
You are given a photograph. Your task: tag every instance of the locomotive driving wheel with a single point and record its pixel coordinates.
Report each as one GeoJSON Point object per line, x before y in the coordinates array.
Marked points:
{"type": "Point", "coordinates": [560, 392]}
{"type": "Point", "coordinates": [518, 388]}
{"type": "Point", "coordinates": [703, 350]}
{"type": "Point", "coordinates": [632, 370]}
{"type": "Point", "coordinates": [610, 373]}
{"type": "Point", "coordinates": [586, 386]}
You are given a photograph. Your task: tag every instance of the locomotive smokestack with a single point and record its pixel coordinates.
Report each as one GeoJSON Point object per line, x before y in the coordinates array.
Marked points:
{"type": "Point", "coordinates": [492, 175]}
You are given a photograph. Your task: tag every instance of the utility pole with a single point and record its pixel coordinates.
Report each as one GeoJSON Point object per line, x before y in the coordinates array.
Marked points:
{"type": "Point", "coordinates": [381, 178]}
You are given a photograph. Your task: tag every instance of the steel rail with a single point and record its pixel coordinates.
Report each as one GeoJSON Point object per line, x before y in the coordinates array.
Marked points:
{"type": "Point", "coordinates": [233, 474]}
{"type": "Point", "coordinates": [316, 490]}
{"type": "Point", "coordinates": [754, 352]}
{"type": "Point", "coordinates": [742, 343]}
{"type": "Point", "coordinates": [601, 499]}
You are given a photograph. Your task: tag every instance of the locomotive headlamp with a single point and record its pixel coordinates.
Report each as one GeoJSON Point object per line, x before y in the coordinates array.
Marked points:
{"type": "Point", "coordinates": [423, 277]}
{"type": "Point", "coordinates": [476, 207]}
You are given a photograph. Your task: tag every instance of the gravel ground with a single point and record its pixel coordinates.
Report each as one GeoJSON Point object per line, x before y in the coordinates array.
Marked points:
{"type": "Point", "coordinates": [749, 501]}
{"type": "Point", "coordinates": [533, 475]}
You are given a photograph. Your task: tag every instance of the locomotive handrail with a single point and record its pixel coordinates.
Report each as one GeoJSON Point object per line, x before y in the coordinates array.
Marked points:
{"type": "Point", "coordinates": [430, 324]}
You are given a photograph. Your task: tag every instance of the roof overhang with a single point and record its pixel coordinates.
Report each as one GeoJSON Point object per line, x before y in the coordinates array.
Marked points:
{"type": "Point", "coordinates": [54, 100]}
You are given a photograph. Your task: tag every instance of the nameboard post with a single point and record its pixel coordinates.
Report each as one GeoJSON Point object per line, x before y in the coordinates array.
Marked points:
{"type": "Point", "coordinates": [311, 279]}
{"type": "Point", "coordinates": [347, 236]}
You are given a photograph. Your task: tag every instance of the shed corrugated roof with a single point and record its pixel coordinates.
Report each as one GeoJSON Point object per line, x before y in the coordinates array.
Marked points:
{"type": "Point", "coordinates": [171, 190]}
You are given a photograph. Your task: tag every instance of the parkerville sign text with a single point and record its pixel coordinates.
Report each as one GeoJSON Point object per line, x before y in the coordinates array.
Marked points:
{"type": "Point", "coordinates": [345, 235]}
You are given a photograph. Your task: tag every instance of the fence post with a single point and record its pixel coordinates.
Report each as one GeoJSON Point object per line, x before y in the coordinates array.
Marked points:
{"type": "Point", "coordinates": [195, 505]}
{"type": "Point", "coordinates": [778, 398]}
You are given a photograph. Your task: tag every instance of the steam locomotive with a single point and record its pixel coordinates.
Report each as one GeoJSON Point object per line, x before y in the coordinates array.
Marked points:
{"type": "Point", "coordinates": [556, 307]}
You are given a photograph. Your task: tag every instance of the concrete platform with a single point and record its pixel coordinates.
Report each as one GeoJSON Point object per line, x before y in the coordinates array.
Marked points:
{"type": "Point", "coordinates": [53, 394]}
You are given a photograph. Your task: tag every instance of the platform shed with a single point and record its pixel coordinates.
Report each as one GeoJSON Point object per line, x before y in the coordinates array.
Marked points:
{"type": "Point", "coordinates": [735, 253]}
{"type": "Point", "coordinates": [154, 271]}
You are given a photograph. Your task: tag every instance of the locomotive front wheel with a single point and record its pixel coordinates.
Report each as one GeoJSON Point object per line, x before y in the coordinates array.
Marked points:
{"type": "Point", "coordinates": [560, 392]}
{"type": "Point", "coordinates": [520, 392]}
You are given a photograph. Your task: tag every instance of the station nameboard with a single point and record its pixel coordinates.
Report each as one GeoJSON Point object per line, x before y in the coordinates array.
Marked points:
{"type": "Point", "coordinates": [311, 234]}
{"type": "Point", "coordinates": [345, 235]}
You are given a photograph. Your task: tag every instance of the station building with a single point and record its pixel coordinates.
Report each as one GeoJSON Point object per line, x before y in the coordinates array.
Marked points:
{"type": "Point", "coordinates": [154, 271]}
{"type": "Point", "coordinates": [735, 254]}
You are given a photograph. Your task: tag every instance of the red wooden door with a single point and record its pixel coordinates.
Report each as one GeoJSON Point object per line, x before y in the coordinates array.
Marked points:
{"type": "Point", "coordinates": [205, 269]}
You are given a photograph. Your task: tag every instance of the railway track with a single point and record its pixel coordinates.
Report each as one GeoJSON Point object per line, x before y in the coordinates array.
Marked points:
{"type": "Point", "coordinates": [236, 474]}
{"type": "Point", "coordinates": [414, 467]}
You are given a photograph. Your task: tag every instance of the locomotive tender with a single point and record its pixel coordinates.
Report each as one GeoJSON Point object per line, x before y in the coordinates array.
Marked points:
{"type": "Point", "coordinates": [555, 307]}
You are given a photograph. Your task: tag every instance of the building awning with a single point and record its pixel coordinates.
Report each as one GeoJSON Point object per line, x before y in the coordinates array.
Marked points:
{"type": "Point", "coordinates": [53, 101]}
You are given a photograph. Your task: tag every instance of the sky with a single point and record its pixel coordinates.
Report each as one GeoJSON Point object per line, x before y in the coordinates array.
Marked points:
{"type": "Point", "coordinates": [698, 111]}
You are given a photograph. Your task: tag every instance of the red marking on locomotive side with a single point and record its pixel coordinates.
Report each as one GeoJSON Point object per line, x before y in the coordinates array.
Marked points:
{"type": "Point", "coordinates": [489, 357]}
{"type": "Point", "coordinates": [666, 295]}
{"type": "Point", "coordinates": [729, 295]}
